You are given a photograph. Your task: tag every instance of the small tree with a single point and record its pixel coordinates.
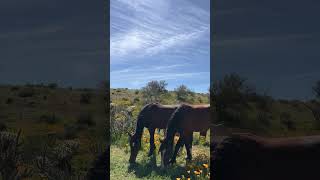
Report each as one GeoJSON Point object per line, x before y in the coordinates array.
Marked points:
{"type": "Point", "coordinates": [153, 90]}
{"type": "Point", "coordinates": [316, 89]}
{"type": "Point", "coordinates": [230, 95]}
{"type": "Point", "coordinates": [183, 93]}
{"type": "Point", "coordinates": [53, 85]}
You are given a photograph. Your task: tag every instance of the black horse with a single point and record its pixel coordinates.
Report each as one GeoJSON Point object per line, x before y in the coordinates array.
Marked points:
{"type": "Point", "coordinates": [185, 120]}
{"type": "Point", "coordinates": [152, 116]}
{"type": "Point", "coordinates": [250, 157]}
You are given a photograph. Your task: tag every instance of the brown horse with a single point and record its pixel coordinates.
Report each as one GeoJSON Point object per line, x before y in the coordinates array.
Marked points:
{"type": "Point", "coordinates": [249, 157]}
{"type": "Point", "coordinates": [152, 116]}
{"type": "Point", "coordinates": [185, 120]}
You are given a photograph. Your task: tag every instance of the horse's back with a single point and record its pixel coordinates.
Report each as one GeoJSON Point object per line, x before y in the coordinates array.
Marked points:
{"type": "Point", "coordinates": [157, 115]}
{"type": "Point", "coordinates": [194, 118]}
{"type": "Point", "coordinates": [248, 157]}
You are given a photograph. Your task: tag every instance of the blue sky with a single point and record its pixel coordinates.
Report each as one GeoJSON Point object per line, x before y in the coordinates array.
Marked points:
{"type": "Point", "coordinates": [160, 40]}
{"type": "Point", "coordinates": [275, 47]}
{"type": "Point", "coordinates": [53, 41]}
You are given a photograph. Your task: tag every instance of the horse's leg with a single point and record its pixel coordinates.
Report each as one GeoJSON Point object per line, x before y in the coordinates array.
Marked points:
{"type": "Point", "coordinates": [179, 144]}
{"type": "Point", "coordinates": [152, 146]}
{"type": "Point", "coordinates": [188, 144]}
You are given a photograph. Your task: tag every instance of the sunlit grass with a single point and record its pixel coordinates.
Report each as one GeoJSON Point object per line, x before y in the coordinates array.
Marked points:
{"type": "Point", "coordinates": [149, 167]}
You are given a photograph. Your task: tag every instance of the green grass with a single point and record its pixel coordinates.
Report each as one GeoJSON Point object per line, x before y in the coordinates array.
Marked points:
{"type": "Point", "coordinates": [25, 113]}
{"type": "Point", "coordinates": [149, 167]}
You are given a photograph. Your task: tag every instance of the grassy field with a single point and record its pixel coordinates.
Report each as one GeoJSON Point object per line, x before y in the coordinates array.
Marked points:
{"type": "Point", "coordinates": [64, 114]}
{"type": "Point", "coordinates": [59, 119]}
{"type": "Point", "coordinates": [149, 167]}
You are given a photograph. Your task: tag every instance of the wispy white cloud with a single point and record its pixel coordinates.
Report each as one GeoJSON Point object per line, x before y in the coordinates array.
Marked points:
{"type": "Point", "coordinates": [159, 40]}
{"type": "Point", "coordinates": [138, 76]}
{"type": "Point", "coordinates": [259, 40]}
{"type": "Point", "coordinates": [147, 27]}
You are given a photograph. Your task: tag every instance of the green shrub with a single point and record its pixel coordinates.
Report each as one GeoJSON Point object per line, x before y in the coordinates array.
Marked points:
{"type": "Point", "coordinates": [125, 99]}
{"type": "Point", "coordinates": [15, 88]}
{"type": "Point", "coordinates": [9, 101]}
{"type": "Point", "coordinates": [136, 100]}
{"type": "Point", "coordinates": [12, 165]}
{"type": "Point", "coordinates": [49, 118]}
{"type": "Point", "coordinates": [70, 131]}
{"type": "Point", "coordinates": [3, 126]}
{"type": "Point", "coordinates": [86, 119]}
{"type": "Point", "coordinates": [53, 85]}
{"type": "Point", "coordinates": [287, 121]}
{"type": "Point", "coordinates": [26, 92]}
{"type": "Point", "coordinates": [85, 98]}
{"type": "Point", "coordinates": [121, 121]}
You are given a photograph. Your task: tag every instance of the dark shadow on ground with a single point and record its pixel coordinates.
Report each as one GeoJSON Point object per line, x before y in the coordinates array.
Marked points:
{"type": "Point", "coordinates": [145, 168]}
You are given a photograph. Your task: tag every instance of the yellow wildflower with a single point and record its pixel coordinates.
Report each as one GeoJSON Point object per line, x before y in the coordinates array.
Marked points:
{"type": "Point", "coordinates": [205, 165]}
{"type": "Point", "coordinates": [196, 172]}
{"type": "Point", "coordinates": [178, 178]}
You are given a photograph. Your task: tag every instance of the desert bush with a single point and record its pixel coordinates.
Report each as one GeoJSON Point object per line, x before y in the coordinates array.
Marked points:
{"type": "Point", "coordinates": [49, 118]}
{"type": "Point", "coordinates": [9, 101]}
{"type": "Point", "coordinates": [3, 126]}
{"type": "Point", "coordinates": [230, 93]}
{"type": "Point", "coordinates": [100, 166]}
{"type": "Point", "coordinates": [121, 121]}
{"type": "Point", "coordinates": [184, 94]}
{"type": "Point", "coordinates": [71, 131]}
{"type": "Point", "coordinates": [55, 162]}
{"type": "Point", "coordinates": [263, 118]}
{"type": "Point", "coordinates": [86, 119]}
{"type": "Point", "coordinates": [136, 100]}
{"type": "Point", "coordinates": [153, 91]}
{"type": "Point", "coordinates": [11, 164]}
{"type": "Point", "coordinates": [125, 99]}
{"type": "Point", "coordinates": [287, 121]}
{"type": "Point", "coordinates": [26, 92]}
{"type": "Point", "coordinates": [85, 98]}
{"type": "Point", "coordinates": [263, 102]}
{"type": "Point", "coordinates": [14, 88]}
{"type": "Point", "coordinates": [53, 85]}
{"type": "Point", "coordinates": [316, 89]}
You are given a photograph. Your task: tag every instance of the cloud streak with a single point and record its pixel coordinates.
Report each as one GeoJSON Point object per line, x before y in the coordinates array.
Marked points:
{"type": "Point", "coordinates": [170, 38]}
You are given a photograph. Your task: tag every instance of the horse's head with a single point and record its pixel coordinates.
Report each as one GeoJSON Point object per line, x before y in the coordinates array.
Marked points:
{"type": "Point", "coordinates": [165, 149]}
{"type": "Point", "coordinates": [134, 147]}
